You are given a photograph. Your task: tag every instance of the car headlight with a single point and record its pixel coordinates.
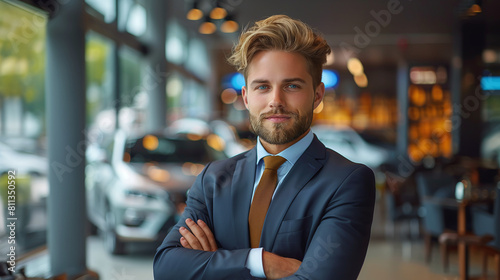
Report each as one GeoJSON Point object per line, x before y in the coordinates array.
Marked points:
{"type": "Point", "coordinates": [140, 194]}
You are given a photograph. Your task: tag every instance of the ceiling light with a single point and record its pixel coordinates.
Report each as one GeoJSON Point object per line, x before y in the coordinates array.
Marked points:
{"type": "Point", "coordinates": [195, 13]}
{"type": "Point", "coordinates": [475, 8]}
{"type": "Point", "coordinates": [361, 80]}
{"type": "Point", "coordinates": [218, 13]}
{"type": "Point", "coordinates": [229, 25]}
{"type": "Point", "coordinates": [355, 66]}
{"type": "Point", "coordinates": [207, 27]}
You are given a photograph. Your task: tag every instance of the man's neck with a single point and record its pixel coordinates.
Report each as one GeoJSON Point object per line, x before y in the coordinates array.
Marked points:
{"type": "Point", "coordinates": [278, 148]}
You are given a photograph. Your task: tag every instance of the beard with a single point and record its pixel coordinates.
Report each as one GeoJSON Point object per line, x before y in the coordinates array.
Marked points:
{"type": "Point", "coordinates": [279, 133]}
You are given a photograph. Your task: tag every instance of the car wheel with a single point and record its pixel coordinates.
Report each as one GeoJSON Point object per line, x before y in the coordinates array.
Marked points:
{"type": "Point", "coordinates": [114, 245]}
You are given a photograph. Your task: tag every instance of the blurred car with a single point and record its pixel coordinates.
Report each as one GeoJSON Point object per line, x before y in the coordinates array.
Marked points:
{"type": "Point", "coordinates": [138, 195]}
{"type": "Point", "coordinates": [189, 126]}
{"type": "Point", "coordinates": [232, 143]}
{"type": "Point", "coordinates": [218, 132]}
{"type": "Point", "coordinates": [23, 163]}
{"type": "Point", "coordinates": [347, 142]}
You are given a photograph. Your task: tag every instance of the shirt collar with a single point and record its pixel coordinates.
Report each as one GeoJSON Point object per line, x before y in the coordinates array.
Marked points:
{"type": "Point", "coordinates": [292, 153]}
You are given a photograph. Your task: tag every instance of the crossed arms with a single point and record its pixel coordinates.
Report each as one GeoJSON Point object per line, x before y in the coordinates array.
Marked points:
{"type": "Point", "coordinates": [201, 238]}
{"type": "Point", "coordinates": [336, 249]}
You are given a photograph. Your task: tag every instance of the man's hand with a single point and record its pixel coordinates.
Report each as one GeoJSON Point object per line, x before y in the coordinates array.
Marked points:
{"type": "Point", "coordinates": [276, 267]}
{"type": "Point", "coordinates": [199, 238]}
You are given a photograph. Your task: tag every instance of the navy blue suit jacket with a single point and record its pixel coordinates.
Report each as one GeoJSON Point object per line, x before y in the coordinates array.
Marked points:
{"type": "Point", "coordinates": [321, 214]}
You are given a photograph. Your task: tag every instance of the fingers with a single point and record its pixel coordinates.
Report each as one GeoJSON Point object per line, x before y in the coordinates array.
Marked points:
{"type": "Point", "coordinates": [185, 244]}
{"type": "Point", "coordinates": [209, 234]}
{"type": "Point", "coordinates": [198, 237]}
{"type": "Point", "coordinates": [190, 239]}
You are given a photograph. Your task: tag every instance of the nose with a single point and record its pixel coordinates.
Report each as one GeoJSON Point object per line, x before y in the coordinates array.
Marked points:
{"type": "Point", "coordinates": [276, 98]}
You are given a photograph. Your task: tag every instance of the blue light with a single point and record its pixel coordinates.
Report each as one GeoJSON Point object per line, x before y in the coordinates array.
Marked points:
{"type": "Point", "coordinates": [490, 83]}
{"type": "Point", "coordinates": [237, 81]}
{"type": "Point", "coordinates": [330, 78]}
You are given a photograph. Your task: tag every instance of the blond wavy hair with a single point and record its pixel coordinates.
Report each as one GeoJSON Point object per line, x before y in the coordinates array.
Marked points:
{"type": "Point", "coordinates": [281, 33]}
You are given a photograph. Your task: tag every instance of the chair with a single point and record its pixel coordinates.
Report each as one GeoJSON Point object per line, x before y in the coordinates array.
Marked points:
{"type": "Point", "coordinates": [402, 201]}
{"type": "Point", "coordinates": [486, 223]}
{"type": "Point", "coordinates": [436, 217]}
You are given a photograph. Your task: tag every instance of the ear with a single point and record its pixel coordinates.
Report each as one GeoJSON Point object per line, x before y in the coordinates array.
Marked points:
{"type": "Point", "coordinates": [319, 94]}
{"type": "Point", "coordinates": [244, 96]}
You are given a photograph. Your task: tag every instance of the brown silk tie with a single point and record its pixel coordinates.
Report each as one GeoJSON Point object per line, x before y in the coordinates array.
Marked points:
{"type": "Point", "coordinates": [262, 198]}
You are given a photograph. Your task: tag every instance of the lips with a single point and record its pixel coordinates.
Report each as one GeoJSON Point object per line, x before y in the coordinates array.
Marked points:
{"type": "Point", "coordinates": [279, 118]}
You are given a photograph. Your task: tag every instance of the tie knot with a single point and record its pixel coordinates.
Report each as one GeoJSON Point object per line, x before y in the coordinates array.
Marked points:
{"type": "Point", "coordinates": [273, 162]}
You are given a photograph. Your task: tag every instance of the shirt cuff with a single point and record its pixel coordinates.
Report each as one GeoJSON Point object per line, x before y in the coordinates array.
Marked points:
{"type": "Point", "coordinates": [254, 263]}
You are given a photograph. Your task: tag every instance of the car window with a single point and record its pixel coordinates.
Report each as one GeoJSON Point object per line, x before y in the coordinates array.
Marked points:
{"type": "Point", "coordinates": [165, 150]}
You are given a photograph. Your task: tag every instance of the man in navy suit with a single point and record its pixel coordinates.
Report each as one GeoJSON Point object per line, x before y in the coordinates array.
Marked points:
{"type": "Point", "coordinates": [317, 225]}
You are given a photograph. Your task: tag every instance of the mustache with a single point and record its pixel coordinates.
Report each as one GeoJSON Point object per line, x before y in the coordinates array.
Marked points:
{"type": "Point", "coordinates": [278, 112]}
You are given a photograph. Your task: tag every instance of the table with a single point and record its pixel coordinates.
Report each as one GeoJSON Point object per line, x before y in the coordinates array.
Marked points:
{"type": "Point", "coordinates": [462, 237]}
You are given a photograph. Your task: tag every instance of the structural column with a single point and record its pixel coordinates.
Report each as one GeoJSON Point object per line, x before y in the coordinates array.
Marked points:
{"type": "Point", "coordinates": [65, 103]}
{"type": "Point", "coordinates": [472, 41]}
{"type": "Point", "coordinates": [402, 84]}
{"type": "Point", "coordinates": [154, 80]}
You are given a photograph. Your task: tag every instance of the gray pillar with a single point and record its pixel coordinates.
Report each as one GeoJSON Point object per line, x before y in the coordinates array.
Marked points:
{"type": "Point", "coordinates": [455, 85]}
{"type": "Point", "coordinates": [473, 41]}
{"type": "Point", "coordinates": [402, 94]}
{"type": "Point", "coordinates": [65, 103]}
{"type": "Point", "coordinates": [154, 80]}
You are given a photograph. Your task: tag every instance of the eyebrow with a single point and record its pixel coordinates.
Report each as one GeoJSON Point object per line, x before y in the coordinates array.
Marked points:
{"type": "Point", "coordinates": [262, 81]}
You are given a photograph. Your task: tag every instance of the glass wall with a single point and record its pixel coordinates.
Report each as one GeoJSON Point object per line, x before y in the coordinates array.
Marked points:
{"type": "Point", "coordinates": [187, 91]}
{"type": "Point", "coordinates": [23, 166]}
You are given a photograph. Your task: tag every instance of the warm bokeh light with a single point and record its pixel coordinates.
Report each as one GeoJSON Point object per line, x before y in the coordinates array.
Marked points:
{"type": "Point", "coordinates": [417, 95]}
{"type": "Point", "coordinates": [207, 27]}
{"type": "Point", "coordinates": [490, 56]}
{"type": "Point", "coordinates": [355, 66]}
{"type": "Point", "coordinates": [229, 26]}
{"type": "Point", "coordinates": [361, 80]}
{"type": "Point", "coordinates": [319, 108]}
{"type": "Point", "coordinates": [437, 93]}
{"type": "Point", "coordinates": [229, 96]}
{"type": "Point", "coordinates": [157, 174]}
{"type": "Point", "coordinates": [194, 137]}
{"type": "Point", "coordinates": [216, 142]}
{"type": "Point", "coordinates": [423, 75]}
{"type": "Point", "coordinates": [218, 13]}
{"type": "Point", "coordinates": [365, 112]}
{"type": "Point", "coordinates": [150, 142]}
{"type": "Point", "coordinates": [194, 14]}
{"type": "Point", "coordinates": [192, 169]}
{"type": "Point", "coordinates": [475, 9]}
{"type": "Point", "coordinates": [429, 129]}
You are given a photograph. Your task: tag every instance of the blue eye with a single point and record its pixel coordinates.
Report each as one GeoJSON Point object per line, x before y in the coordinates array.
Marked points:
{"type": "Point", "coordinates": [262, 87]}
{"type": "Point", "coordinates": [293, 86]}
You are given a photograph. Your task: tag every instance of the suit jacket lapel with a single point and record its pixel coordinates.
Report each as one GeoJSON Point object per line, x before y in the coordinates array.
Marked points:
{"type": "Point", "coordinates": [304, 169]}
{"type": "Point", "coordinates": [241, 192]}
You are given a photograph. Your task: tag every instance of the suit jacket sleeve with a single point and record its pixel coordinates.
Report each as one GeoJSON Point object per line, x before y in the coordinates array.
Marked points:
{"type": "Point", "coordinates": [339, 245]}
{"type": "Point", "coordinates": [172, 261]}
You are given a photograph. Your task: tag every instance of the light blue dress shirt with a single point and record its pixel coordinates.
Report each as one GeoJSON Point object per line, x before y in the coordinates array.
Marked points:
{"type": "Point", "coordinates": [291, 154]}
